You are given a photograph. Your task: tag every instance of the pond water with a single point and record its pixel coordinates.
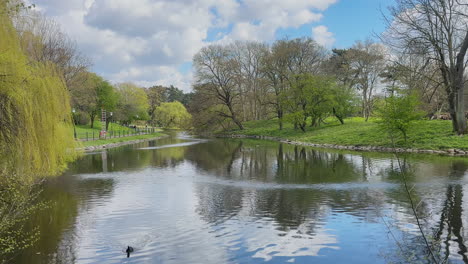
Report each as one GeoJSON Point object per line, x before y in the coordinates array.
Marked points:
{"type": "Point", "coordinates": [187, 200]}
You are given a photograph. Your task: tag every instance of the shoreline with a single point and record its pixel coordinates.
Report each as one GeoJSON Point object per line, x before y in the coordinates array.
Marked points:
{"type": "Point", "coordinates": [118, 144]}
{"type": "Point", "coordinates": [448, 152]}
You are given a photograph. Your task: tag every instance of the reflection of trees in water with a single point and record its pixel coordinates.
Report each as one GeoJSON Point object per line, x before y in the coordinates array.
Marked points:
{"type": "Point", "coordinates": [128, 158]}
{"type": "Point", "coordinates": [449, 231]}
{"type": "Point", "coordinates": [441, 211]}
{"type": "Point", "coordinates": [244, 160]}
{"type": "Point", "coordinates": [291, 208]}
{"type": "Point", "coordinates": [305, 165]}
{"type": "Point", "coordinates": [215, 156]}
{"type": "Point", "coordinates": [67, 195]}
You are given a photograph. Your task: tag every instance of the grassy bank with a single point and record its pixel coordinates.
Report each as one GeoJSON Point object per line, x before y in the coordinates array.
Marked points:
{"type": "Point", "coordinates": [424, 134]}
{"type": "Point", "coordinates": [118, 140]}
{"type": "Point", "coordinates": [83, 131]}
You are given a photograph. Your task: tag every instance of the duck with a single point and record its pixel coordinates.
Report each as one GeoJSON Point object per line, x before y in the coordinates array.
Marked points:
{"type": "Point", "coordinates": [129, 250]}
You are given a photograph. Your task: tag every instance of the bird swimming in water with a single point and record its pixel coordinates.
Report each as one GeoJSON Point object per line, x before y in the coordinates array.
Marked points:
{"type": "Point", "coordinates": [129, 250]}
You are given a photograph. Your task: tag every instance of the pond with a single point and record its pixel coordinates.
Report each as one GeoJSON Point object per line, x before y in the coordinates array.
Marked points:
{"type": "Point", "coordinates": [189, 200]}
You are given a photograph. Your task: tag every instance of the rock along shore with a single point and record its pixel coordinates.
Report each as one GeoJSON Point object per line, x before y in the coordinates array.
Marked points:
{"type": "Point", "coordinates": [117, 144]}
{"type": "Point", "coordinates": [449, 152]}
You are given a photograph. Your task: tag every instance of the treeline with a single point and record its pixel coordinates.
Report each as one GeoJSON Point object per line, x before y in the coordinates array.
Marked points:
{"type": "Point", "coordinates": [422, 54]}
{"type": "Point", "coordinates": [43, 41]}
{"type": "Point", "coordinates": [127, 103]}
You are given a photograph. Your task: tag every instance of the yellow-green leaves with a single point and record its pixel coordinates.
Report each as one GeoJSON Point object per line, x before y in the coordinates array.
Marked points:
{"type": "Point", "coordinates": [173, 115]}
{"type": "Point", "coordinates": [35, 115]}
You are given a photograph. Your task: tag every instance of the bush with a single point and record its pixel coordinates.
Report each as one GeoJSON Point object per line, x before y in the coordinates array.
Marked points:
{"type": "Point", "coordinates": [397, 114]}
{"type": "Point", "coordinates": [82, 118]}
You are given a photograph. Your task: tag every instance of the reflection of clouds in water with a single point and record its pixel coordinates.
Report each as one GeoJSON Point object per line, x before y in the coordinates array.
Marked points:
{"type": "Point", "coordinates": [235, 203]}
{"type": "Point", "coordinates": [153, 213]}
{"type": "Point", "coordinates": [291, 244]}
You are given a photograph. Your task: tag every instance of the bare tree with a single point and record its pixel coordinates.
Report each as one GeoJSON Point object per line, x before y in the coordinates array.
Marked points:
{"type": "Point", "coordinates": [43, 40]}
{"type": "Point", "coordinates": [437, 29]}
{"type": "Point", "coordinates": [421, 76]}
{"type": "Point", "coordinates": [215, 73]}
{"type": "Point", "coordinates": [250, 78]}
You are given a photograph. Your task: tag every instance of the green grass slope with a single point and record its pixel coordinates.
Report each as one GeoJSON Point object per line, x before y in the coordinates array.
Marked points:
{"type": "Point", "coordinates": [424, 134]}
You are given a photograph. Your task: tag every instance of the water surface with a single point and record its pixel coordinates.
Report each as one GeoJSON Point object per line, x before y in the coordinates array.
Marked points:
{"type": "Point", "coordinates": [188, 200]}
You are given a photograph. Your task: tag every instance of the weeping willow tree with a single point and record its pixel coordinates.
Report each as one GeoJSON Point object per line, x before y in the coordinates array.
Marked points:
{"type": "Point", "coordinates": [35, 115]}
{"type": "Point", "coordinates": [35, 134]}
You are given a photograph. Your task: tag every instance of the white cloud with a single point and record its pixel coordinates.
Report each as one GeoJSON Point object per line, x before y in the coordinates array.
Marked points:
{"type": "Point", "coordinates": [323, 36]}
{"type": "Point", "coordinates": [147, 40]}
{"type": "Point", "coordinates": [154, 75]}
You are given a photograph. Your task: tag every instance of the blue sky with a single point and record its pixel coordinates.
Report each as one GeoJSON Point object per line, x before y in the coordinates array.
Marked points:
{"type": "Point", "coordinates": [352, 20]}
{"type": "Point", "coordinates": [152, 42]}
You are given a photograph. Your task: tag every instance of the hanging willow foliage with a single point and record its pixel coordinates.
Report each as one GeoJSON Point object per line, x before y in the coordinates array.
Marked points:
{"type": "Point", "coordinates": [35, 114]}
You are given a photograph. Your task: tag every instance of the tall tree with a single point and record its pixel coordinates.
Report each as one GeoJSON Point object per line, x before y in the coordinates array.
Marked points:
{"type": "Point", "coordinates": [439, 30]}
{"type": "Point", "coordinates": [250, 78]}
{"type": "Point", "coordinates": [156, 95]}
{"type": "Point", "coordinates": [215, 75]}
{"type": "Point", "coordinates": [133, 103]}
{"type": "Point", "coordinates": [286, 59]}
{"type": "Point", "coordinates": [359, 67]}
{"type": "Point", "coordinates": [94, 94]}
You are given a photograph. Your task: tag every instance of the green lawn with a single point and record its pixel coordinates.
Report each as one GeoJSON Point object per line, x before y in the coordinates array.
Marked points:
{"type": "Point", "coordinates": [116, 140]}
{"type": "Point", "coordinates": [81, 130]}
{"type": "Point", "coordinates": [424, 134]}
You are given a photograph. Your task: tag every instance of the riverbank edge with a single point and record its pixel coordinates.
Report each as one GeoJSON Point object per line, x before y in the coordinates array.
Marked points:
{"type": "Point", "coordinates": [448, 152]}
{"type": "Point", "coordinates": [118, 144]}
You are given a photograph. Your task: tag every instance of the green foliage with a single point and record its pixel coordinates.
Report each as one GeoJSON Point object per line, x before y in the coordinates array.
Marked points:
{"type": "Point", "coordinates": [107, 97]}
{"type": "Point", "coordinates": [81, 118]}
{"type": "Point", "coordinates": [17, 204]}
{"type": "Point", "coordinates": [35, 115]}
{"type": "Point", "coordinates": [315, 97]}
{"type": "Point", "coordinates": [345, 102]}
{"type": "Point", "coordinates": [398, 113]}
{"type": "Point", "coordinates": [133, 103]}
{"type": "Point", "coordinates": [35, 138]}
{"type": "Point", "coordinates": [173, 94]}
{"type": "Point", "coordinates": [156, 96]}
{"type": "Point", "coordinates": [114, 128]}
{"type": "Point", "coordinates": [173, 115]}
{"type": "Point", "coordinates": [93, 94]}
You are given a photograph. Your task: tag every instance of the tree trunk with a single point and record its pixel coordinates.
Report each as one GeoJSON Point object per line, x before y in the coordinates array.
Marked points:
{"type": "Point", "coordinates": [340, 118]}
{"type": "Point", "coordinates": [303, 126]}
{"type": "Point", "coordinates": [458, 113]}
{"type": "Point", "coordinates": [92, 116]}
{"type": "Point", "coordinates": [280, 119]}
{"type": "Point", "coordinates": [314, 122]}
{"type": "Point", "coordinates": [234, 118]}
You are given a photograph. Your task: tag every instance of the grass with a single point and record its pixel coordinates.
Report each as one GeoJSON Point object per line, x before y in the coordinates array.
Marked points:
{"type": "Point", "coordinates": [81, 130]}
{"type": "Point", "coordinates": [117, 140]}
{"type": "Point", "coordinates": [424, 134]}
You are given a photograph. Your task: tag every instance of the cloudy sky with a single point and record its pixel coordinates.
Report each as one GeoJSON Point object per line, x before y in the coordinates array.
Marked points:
{"type": "Point", "coordinates": [153, 41]}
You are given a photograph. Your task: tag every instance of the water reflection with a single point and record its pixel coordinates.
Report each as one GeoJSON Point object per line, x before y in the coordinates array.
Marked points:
{"type": "Point", "coordinates": [184, 200]}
